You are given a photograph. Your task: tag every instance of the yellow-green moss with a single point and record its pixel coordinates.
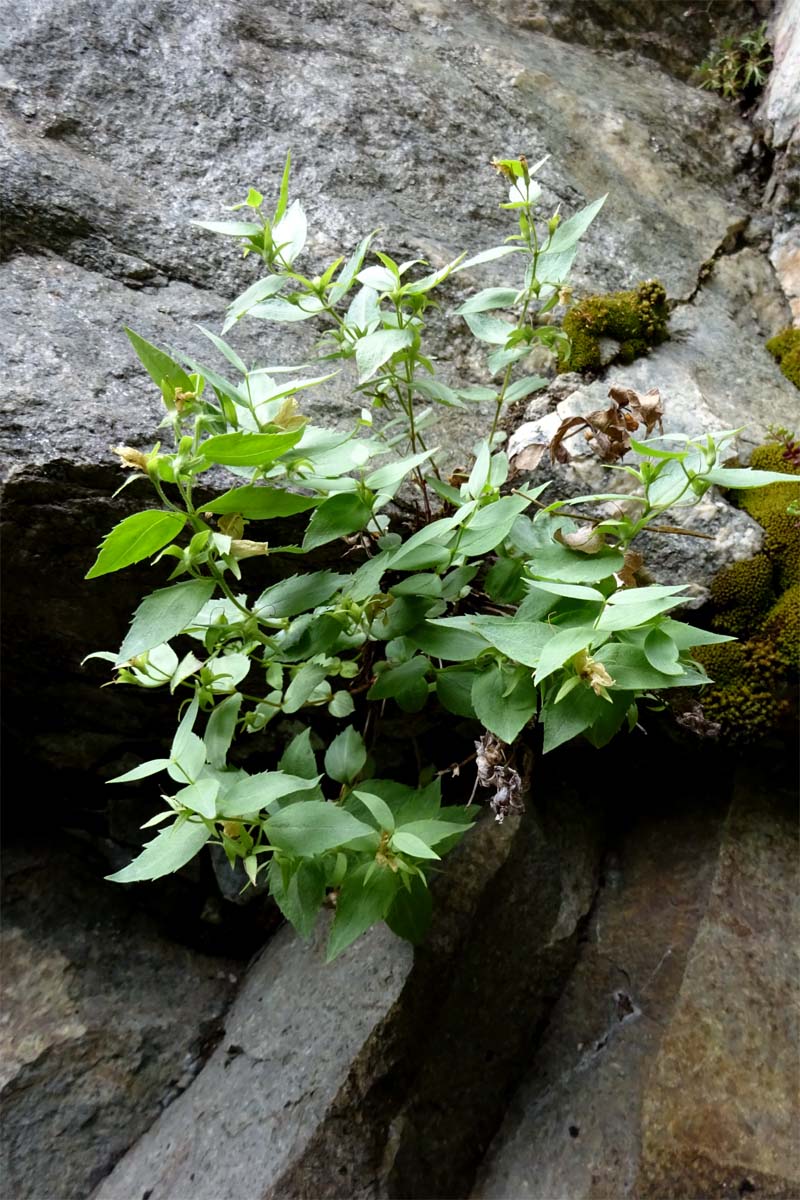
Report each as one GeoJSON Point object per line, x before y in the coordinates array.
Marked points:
{"type": "Point", "coordinates": [758, 600]}
{"type": "Point", "coordinates": [768, 506]}
{"type": "Point", "coordinates": [636, 320]}
{"type": "Point", "coordinates": [785, 349]}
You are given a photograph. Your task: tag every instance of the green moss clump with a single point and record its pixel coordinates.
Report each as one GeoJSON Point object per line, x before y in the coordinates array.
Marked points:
{"type": "Point", "coordinates": [637, 320]}
{"type": "Point", "coordinates": [758, 600]}
{"type": "Point", "coordinates": [785, 349]}
{"type": "Point", "coordinates": [768, 506]}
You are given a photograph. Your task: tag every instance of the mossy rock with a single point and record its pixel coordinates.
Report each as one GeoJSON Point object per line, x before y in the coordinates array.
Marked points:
{"type": "Point", "coordinates": [785, 349]}
{"type": "Point", "coordinates": [758, 600]}
{"type": "Point", "coordinates": [637, 320]}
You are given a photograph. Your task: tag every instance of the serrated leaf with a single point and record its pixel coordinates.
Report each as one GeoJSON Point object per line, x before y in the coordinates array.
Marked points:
{"type": "Point", "coordinates": [298, 593]}
{"type": "Point", "coordinates": [168, 852]}
{"type": "Point", "coordinates": [163, 615]}
{"type": "Point", "coordinates": [200, 797]}
{"type": "Point", "coordinates": [256, 792]}
{"type": "Point", "coordinates": [312, 827]}
{"type": "Point", "coordinates": [303, 684]}
{"type": "Point", "coordinates": [144, 770]}
{"type": "Point", "coordinates": [135, 538]}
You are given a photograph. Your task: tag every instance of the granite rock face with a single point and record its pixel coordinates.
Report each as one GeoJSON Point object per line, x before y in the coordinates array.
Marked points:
{"type": "Point", "coordinates": [105, 1022]}
{"type": "Point", "coordinates": [669, 1066]}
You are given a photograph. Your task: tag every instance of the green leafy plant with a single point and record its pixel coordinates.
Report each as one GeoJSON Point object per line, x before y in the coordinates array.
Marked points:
{"type": "Point", "coordinates": [737, 68]}
{"type": "Point", "coordinates": [474, 595]}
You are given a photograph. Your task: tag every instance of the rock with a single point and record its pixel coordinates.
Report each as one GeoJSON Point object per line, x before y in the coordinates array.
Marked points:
{"type": "Point", "coordinates": [704, 390]}
{"type": "Point", "coordinates": [105, 1022]}
{"type": "Point", "coordinates": [344, 1071]}
{"type": "Point", "coordinates": [785, 258]}
{"type": "Point", "coordinates": [113, 140]}
{"type": "Point", "coordinates": [669, 1065]}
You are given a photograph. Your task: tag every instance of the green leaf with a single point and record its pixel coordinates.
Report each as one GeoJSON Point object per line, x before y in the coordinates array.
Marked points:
{"type": "Point", "coordinates": [345, 756]}
{"type": "Point", "coordinates": [339, 515]}
{"type": "Point", "coordinates": [574, 591]}
{"type": "Point", "coordinates": [522, 641]}
{"type": "Point", "coordinates": [491, 525]}
{"type": "Point", "coordinates": [631, 670]}
{"type": "Point", "coordinates": [253, 793]}
{"type": "Point", "coordinates": [633, 606]}
{"type": "Point", "coordinates": [502, 712]}
{"type": "Point", "coordinates": [387, 479]}
{"type": "Point", "coordinates": [300, 899]}
{"type": "Point", "coordinates": [200, 797]}
{"type": "Point", "coordinates": [162, 369]}
{"type": "Point", "coordinates": [163, 615]}
{"type": "Point", "coordinates": [685, 636]}
{"type": "Point", "coordinates": [488, 298]}
{"type": "Point", "coordinates": [259, 291]}
{"type": "Point", "coordinates": [493, 330]}
{"type": "Point", "coordinates": [570, 566]}
{"type": "Point", "coordinates": [261, 503]}
{"type": "Point", "coordinates": [405, 683]}
{"type": "Point", "coordinates": [248, 449]}
{"type": "Point", "coordinates": [135, 538]}
{"type": "Point", "coordinates": [563, 645]}
{"type": "Point", "coordinates": [523, 387]}
{"type": "Point", "coordinates": [283, 195]}
{"type": "Point", "coordinates": [744, 477]}
{"type": "Point", "coordinates": [299, 758]}
{"type": "Point", "coordinates": [452, 645]}
{"type": "Point", "coordinates": [662, 653]}
{"type": "Point", "coordinates": [350, 270]}
{"type": "Point", "coordinates": [298, 593]}
{"type": "Point", "coordinates": [378, 808]}
{"type": "Point", "coordinates": [303, 684]}
{"type": "Point", "coordinates": [489, 256]}
{"type": "Point", "coordinates": [454, 690]}
{"type": "Point", "coordinates": [408, 843]}
{"type": "Point", "coordinates": [361, 904]}
{"type": "Point", "coordinates": [142, 771]}
{"type": "Point", "coordinates": [312, 827]}
{"type": "Point", "coordinates": [377, 348]}
{"type": "Point", "coordinates": [168, 852]}
{"type": "Point", "coordinates": [570, 716]}
{"type": "Point", "coordinates": [431, 832]}
{"type": "Point", "coordinates": [220, 729]}
{"type": "Point", "coordinates": [409, 915]}
{"type": "Point", "coordinates": [341, 704]}
{"type": "Point", "coordinates": [572, 231]}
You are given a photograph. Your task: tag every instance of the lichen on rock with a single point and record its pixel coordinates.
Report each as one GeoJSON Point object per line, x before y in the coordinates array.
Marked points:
{"type": "Point", "coordinates": [635, 321]}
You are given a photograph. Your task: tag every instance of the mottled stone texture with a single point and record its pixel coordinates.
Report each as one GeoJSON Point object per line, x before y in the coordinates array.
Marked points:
{"type": "Point", "coordinates": [670, 1066]}
{"type": "Point", "coordinates": [105, 1021]}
